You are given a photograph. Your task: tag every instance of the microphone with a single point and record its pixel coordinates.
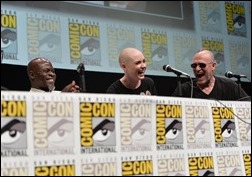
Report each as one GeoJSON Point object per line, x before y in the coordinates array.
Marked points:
{"type": "Point", "coordinates": [168, 68]}
{"type": "Point", "coordinates": [80, 70]}
{"type": "Point", "coordinates": [229, 74]}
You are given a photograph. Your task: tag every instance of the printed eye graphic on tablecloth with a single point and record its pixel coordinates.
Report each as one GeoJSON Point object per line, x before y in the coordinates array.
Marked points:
{"type": "Point", "coordinates": [228, 131]}
{"type": "Point", "coordinates": [13, 134]}
{"type": "Point", "coordinates": [60, 133]}
{"type": "Point", "coordinates": [103, 132]}
{"type": "Point", "coordinates": [141, 132]}
{"type": "Point", "coordinates": [174, 132]}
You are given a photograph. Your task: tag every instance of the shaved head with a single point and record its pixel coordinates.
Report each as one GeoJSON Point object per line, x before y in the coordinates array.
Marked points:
{"type": "Point", "coordinates": [41, 74]}
{"type": "Point", "coordinates": [210, 57]}
{"type": "Point", "coordinates": [34, 64]}
{"type": "Point", "coordinates": [127, 54]}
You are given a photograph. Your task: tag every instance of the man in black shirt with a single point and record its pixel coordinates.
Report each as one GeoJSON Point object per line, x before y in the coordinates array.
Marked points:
{"type": "Point", "coordinates": [133, 63]}
{"type": "Point", "coordinates": [208, 86]}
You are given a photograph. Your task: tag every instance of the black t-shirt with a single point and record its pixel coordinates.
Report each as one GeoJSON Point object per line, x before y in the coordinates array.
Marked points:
{"type": "Point", "coordinates": [147, 87]}
{"type": "Point", "coordinates": [4, 88]}
{"type": "Point", "coordinates": [224, 89]}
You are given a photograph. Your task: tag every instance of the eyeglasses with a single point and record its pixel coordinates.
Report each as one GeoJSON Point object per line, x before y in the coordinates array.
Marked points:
{"type": "Point", "coordinates": [201, 65]}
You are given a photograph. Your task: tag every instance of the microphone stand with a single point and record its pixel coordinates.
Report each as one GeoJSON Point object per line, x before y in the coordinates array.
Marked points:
{"type": "Point", "coordinates": [239, 85]}
{"type": "Point", "coordinates": [80, 70]}
{"type": "Point", "coordinates": [179, 85]}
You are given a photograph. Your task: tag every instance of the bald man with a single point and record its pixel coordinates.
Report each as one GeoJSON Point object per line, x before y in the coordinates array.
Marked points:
{"type": "Point", "coordinates": [42, 76]}
{"type": "Point", "coordinates": [134, 65]}
{"type": "Point", "coordinates": [208, 86]}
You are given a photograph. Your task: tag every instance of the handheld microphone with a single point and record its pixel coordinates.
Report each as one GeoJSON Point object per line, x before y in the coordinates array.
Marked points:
{"type": "Point", "coordinates": [168, 68]}
{"type": "Point", "coordinates": [80, 70]}
{"type": "Point", "coordinates": [229, 74]}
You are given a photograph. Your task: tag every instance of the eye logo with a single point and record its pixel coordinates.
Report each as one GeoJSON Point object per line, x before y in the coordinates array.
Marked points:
{"type": "Point", "coordinates": [159, 53]}
{"type": "Point", "coordinates": [235, 172]}
{"type": "Point", "coordinates": [208, 173]}
{"type": "Point", "coordinates": [213, 17]}
{"type": "Point", "coordinates": [61, 133]}
{"type": "Point", "coordinates": [174, 131]}
{"type": "Point", "coordinates": [102, 133]}
{"type": "Point", "coordinates": [202, 129]}
{"type": "Point", "coordinates": [244, 60]}
{"type": "Point", "coordinates": [141, 132]}
{"type": "Point", "coordinates": [228, 131]}
{"type": "Point", "coordinates": [90, 46]}
{"type": "Point", "coordinates": [7, 38]}
{"type": "Point", "coordinates": [219, 57]}
{"type": "Point", "coordinates": [13, 134]}
{"type": "Point", "coordinates": [239, 22]}
{"type": "Point", "coordinates": [49, 43]}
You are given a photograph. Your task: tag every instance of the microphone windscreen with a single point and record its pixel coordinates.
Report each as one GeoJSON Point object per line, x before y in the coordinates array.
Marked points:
{"type": "Point", "coordinates": [228, 74]}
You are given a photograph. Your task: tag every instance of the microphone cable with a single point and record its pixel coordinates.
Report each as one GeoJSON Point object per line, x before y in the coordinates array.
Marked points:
{"type": "Point", "coordinates": [245, 98]}
{"type": "Point", "coordinates": [234, 115]}
{"type": "Point", "coordinates": [231, 111]}
{"type": "Point", "coordinates": [191, 87]}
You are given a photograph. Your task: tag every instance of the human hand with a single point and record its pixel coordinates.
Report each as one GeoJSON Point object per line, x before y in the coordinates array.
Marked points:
{"type": "Point", "coordinates": [73, 87]}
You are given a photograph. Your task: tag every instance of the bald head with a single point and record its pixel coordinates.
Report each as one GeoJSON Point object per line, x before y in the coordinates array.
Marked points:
{"type": "Point", "coordinates": [208, 55]}
{"type": "Point", "coordinates": [41, 73]}
{"type": "Point", "coordinates": [35, 63]}
{"type": "Point", "coordinates": [128, 54]}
